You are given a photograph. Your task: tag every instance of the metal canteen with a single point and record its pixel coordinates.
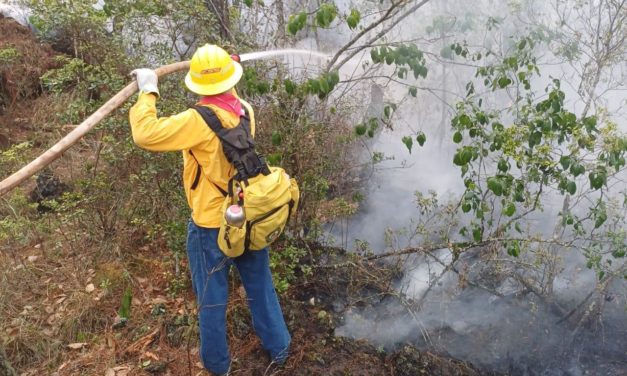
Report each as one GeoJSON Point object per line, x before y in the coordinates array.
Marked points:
{"type": "Point", "coordinates": [235, 216]}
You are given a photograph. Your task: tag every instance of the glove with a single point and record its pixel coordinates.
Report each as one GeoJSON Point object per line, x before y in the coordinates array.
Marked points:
{"type": "Point", "coordinates": [146, 80]}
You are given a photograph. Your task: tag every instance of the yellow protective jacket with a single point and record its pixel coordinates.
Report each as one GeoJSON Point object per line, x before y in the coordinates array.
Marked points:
{"type": "Point", "coordinates": [187, 131]}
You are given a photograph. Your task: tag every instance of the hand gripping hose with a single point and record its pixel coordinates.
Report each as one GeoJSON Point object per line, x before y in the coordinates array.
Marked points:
{"type": "Point", "coordinates": [81, 130]}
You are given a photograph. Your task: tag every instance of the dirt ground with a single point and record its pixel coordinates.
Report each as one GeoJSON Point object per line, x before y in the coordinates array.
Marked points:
{"type": "Point", "coordinates": [161, 336]}
{"type": "Point", "coordinates": [59, 303]}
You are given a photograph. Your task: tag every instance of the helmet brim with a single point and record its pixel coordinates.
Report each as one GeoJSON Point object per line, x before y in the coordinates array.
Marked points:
{"type": "Point", "coordinates": [218, 88]}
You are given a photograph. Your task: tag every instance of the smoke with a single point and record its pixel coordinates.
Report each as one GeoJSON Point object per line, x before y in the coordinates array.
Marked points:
{"type": "Point", "coordinates": [496, 325]}
{"type": "Point", "coordinates": [16, 11]}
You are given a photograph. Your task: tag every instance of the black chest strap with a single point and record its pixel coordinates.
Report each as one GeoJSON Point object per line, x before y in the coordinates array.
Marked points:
{"type": "Point", "coordinates": [237, 144]}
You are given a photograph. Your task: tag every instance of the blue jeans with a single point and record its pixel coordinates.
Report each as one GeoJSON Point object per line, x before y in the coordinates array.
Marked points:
{"type": "Point", "coordinates": [210, 271]}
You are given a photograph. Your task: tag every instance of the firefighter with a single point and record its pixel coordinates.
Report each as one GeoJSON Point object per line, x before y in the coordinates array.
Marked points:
{"type": "Point", "coordinates": [212, 75]}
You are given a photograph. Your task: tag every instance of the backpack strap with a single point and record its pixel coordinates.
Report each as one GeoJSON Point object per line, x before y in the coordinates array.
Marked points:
{"type": "Point", "coordinates": [197, 178]}
{"type": "Point", "coordinates": [237, 144]}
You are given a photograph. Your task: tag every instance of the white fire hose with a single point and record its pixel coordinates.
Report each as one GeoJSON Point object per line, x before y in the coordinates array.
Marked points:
{"type": "Point", "coordinates": [116, 101]}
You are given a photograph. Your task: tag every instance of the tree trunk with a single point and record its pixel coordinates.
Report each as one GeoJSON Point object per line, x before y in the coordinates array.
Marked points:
{"type": "Point", "coordinates": [220, 8]}
{"type": "Point", "coordinates": [280, 17]}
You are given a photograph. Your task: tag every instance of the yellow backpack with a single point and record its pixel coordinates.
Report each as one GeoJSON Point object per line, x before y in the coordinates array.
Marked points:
{"type": "Point", "coordinates": [267, 195]}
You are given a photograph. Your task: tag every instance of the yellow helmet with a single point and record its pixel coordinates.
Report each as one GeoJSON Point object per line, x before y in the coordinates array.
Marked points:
{"type": "Point", "coordinates": [212, 71]}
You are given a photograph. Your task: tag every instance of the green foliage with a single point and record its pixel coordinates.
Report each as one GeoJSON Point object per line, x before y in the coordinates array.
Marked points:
{"type": "Point", "coordinates": [369, 127]}
{"type": "Point", "coordinates": [8, 55]}
{"type": "Point", "coordinates": [408, 58]}
{"type": "Point", "coordinates": [125, 305]}
{"type": "Point", "coordinates": [409, 142]}
{"type": "Point", "coordinates": [353, 18]}
{"type": "Point", "coordinates": [326, 14]}
{"type": "Point", "coordinates": [323, 85]}
{"type": "Point", "coordinates": [421, 138]}
{"type": "Point", "coordinates": [252, 83]}
{"type": "Point", "coordinates": [296, 22]}
{"type": "Point", "coordinates": [287, 267]}
{"type": "Point", "coordinates": [549, 146]}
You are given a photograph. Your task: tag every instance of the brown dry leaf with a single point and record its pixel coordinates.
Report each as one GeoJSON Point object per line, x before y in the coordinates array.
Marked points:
{"type": "Point", "coordinates": [110, 372]}
{"type": "Point", "coordinates": [159, 300]}
{"type": "Point", "coordinates": [122, 370]}
{"type": "Point", "coordinates": [12, 331]}
{"type": "Point", "coordinates": [141, 280]}
{"type": "Point", "coordinates": [77, 345]}
{"type": "Point", "coordinates": [61, 299]}
{"type": "Point", "coordinates": [90, 287]}
{"type": "Point", "coordinates": [52, 318]}
{"type": "Point", "coordinates": [32, 258]}
{"type": "Point", "coordinates": [111, 341]}
{"type": "Point", "coordinates": [150, 355]}
{"type": "Point", "coordinates": [49, 310]}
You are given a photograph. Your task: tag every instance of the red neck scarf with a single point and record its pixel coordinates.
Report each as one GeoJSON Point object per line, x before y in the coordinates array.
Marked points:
{"type": "Point", "coordinates": [226, 101]}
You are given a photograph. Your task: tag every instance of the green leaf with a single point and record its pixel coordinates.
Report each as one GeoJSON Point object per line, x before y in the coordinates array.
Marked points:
{"type": "Point", "coordinates": [565, 162]}
{"type": "Point", "coordinates": [522, 44]}
{"type": "Point", "coordinates": [513, 249]}
{"type": "Point", "coordinates": [125, 305]}
{"type": "Point", "coordinates": [509, 210]}
{"type": "Point", "coordinates": [276, 138]}
{"type": "Point", "coordinates": [535, 138]}
{"type": "Point", "coordinates": [413, 91]}
{"type": "Point", "coordinates": [503, 166]}
{"type": "Point", "coordinates": [619, 253]}
{"type": "Point", "coordinates": [590, 123]}
{"type": "Point", "coordinates": [600, 218]}
{"type": "Point", "coordinates": [249, 3]}
{"type": "Point", "coordinates": [360, 129]}
{"type": "Point", "coordinates": [274, 159]}
{"type": "Point", "coordinates": [409, 142]}
{"type": "Point", "coordinates": [387, 111]}
{"type": "Point", "coordinates": [421, 138]}
{"type": "Point", "coordinates": [457, 137]}
{"type": "Point", "coordinates": [290, 86]}
{"type": "Point", "coordinates": [326, 14]}
{"type": "Point", "coordinates": [466, 207]}
{"type": "Point", "coordinates": [597, 179]}
{"type": "Point", "coordinates": [353, 19]}
{"type": "Point", "coordinates": [577, 169]}
{"type": "Point", "coordinates": [296, 23]}
{"type": "Point", "coordinates": [477, 233]}
{"type": "Point", "coordinates": [466, 155]}
{"type": "Point", "coordinates": [422, 71]}
{"type": "Point", "coordinates": [457, 160]}
{"type": "Point", "coordinates": [571, 187]}
{"type": "Point", "coordinates": [374, 55]}
{"type": "Point", "coordinates": [495, 185]}
{"type": "Point", "coordinates": [324, 86]}
{"type": "Point", "coordinates": [504, 82]}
